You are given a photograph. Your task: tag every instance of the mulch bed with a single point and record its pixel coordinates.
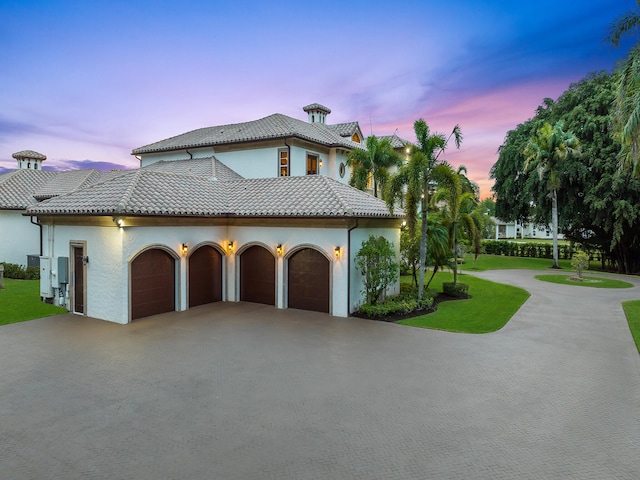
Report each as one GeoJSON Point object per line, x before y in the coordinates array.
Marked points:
{"type": "Point", "coordinates": [441, 297]}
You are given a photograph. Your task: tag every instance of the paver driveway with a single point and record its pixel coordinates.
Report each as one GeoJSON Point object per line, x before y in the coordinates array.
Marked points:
{"type": "Point", "coordinates": [244, 391]}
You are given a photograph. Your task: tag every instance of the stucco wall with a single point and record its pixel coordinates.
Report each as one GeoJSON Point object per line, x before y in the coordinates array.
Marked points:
{"type": "Point", "coordinates": [18, 237]}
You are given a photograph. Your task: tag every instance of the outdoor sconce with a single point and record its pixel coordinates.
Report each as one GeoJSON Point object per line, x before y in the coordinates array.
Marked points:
{"type": "Point", "coordinates": [279, 249]}
{"type": "Point", "coordinates": [230, 247]}
{"type": "Point", "coordinates": [337, 252]}
{"type": "Point", "coordinates": [185, 248]}
{"type": "Point", "coordinates": [320, 163]}
{"type": "Point", "coordinates": [118, 221]}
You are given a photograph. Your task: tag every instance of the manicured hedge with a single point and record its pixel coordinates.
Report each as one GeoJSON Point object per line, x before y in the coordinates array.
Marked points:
{"type": "Point", "coordinates": [531, 250]}
{"type": "Point", "coordinates": [18, 272]}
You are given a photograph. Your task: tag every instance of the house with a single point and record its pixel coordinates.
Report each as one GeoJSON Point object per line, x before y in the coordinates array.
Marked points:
{"type": "Point", "coordinates": [20, 239]}
{"type": "Point", "coordinates": [257, 212]}
{"type": "Point", "coordinates": [513, 230]}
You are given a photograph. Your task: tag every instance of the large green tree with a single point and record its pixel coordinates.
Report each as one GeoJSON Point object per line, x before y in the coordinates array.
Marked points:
{"type": "Point", "coordinates": [374, 162]}
{"type": "Point", "coordinates": [413, 183]}
{"type": "Point", "coordinates": [543, 154]}
{"type": "Point", "coordinates": [627, 103]}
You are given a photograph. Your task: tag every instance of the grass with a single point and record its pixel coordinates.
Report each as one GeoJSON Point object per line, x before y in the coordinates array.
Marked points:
{"type": "Point", "coordinates": [502, 262]}
{"type": "Point", "coordinates": [593, 282]}
{"type": "Point", "coordinates": [492, 305]}
{"type": "Point", "coordinates": [20, 301]}
{"type": "Point", "coordinates": [632, 311]}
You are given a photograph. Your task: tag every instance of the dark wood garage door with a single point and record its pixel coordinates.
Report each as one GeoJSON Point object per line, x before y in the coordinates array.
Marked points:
{"type": "Point", "coordinates": [153, 284]}
{"type": "Point", "coordinates": [205, 276]}
{"type": "Point", "coordinates": [308, 274]}
{"type": "Point", "coordinates": [258, 276]}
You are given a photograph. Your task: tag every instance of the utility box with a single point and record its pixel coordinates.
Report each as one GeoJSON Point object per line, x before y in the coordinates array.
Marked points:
{"type": "Point", "coordinates": [63, 270]}
{"type": "Point", "coordinates": [46, 288]}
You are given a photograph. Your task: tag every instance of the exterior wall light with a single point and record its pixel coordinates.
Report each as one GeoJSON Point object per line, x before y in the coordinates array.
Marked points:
{"type": "Point", "coordinates": [337, 252]}
{"type": "Point", "coordinates": [185, 248]}
{"type": "Point", "coordinates": [118, 221]}
{"type": "Point", "coordinates": [230, 247]}
{"type": "Point", "coordinates": [320, 163]}
{"type": "Point", "coordinates": [279, 249]}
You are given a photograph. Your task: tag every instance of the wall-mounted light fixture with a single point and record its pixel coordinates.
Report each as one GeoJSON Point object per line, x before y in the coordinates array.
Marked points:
{"type": "Point", "coordinates": [320, 163]}
{"type": "Point", "coordinates": [118, 221]}
{"type": "Point", "coordinates": [337, 252]}
{"type": "Point", "coordinates": [279, 249]}
{"type": "Point", "coordinates": [404, 223]}
{"type": "Point", "coordinates": [230, 247]}
{"type": "Point", "coordinates": [185, 248]}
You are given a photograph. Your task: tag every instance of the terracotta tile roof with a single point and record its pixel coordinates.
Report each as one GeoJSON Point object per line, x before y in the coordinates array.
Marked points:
{"type": "Point", "coordinates": [17, 187]}
{"type": "Point", "coordinates": [144, 192]}
{"type": "Point", "coordinates": [24, 154]}
{"type": "Point", "coordinates": [344, 129]}
{"type": "Point", "coordinates": [396, 141]}
{"type": "Point", "coordinates": [272, 127]}
{"type": "Point", "coordinates": [316, 106]}
{"type": "Point", "coordinates": [210, 168]}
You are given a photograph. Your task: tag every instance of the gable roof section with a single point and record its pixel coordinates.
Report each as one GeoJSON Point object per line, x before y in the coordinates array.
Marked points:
{"type": "Point", "coordinates": [268, 128]}
{"type": "Point", "coordinates": [67, 181]}
{"type": "Point", "coordinates": [17, 187]}
{"type": "Point", "coordinates": [210, 168]}
{"type": "Point", "coordinates": [151, 193]}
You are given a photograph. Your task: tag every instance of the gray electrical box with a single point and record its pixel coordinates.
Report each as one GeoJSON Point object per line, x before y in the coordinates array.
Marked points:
{"type": "Point", "coordinates": [63, 269]}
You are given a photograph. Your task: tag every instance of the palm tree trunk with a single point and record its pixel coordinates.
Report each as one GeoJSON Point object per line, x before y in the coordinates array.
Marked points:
{"type": "Point", "coordinates": [455, 253]}
{"type": "Point", "coordinates": [554, 219]}
{"type": "Point", "coordinates": [423, 242]}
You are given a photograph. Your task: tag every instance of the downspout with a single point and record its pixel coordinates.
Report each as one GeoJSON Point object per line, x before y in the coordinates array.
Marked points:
{"type": "Point", "coordinates": [190, 155]}
{"type": "Point", "coordinates": [349, 267]}
{"type": "Point", "coordinates": [288, 157]}
{"type": "Point", "coordinates": [37, 222]}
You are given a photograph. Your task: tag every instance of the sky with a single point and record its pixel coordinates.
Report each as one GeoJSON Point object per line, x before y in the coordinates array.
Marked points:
{"type": "Point", "coordinates": [86, 82]}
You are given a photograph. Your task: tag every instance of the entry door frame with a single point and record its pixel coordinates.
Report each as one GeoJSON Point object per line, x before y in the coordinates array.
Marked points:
{"type": "Point", "coordinates": [75, 274]}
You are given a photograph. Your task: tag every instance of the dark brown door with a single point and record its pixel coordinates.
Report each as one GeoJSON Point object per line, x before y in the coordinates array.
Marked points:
{"type": "Point", "coordinates": [258, 276]}
{"type": "Point", "coordinates": [308, 275]}
{"type": "Point", "coordinates": [78, 280]}
{"type": "Point", "coordinates": [205, 276]}
{"type": "Point", "coordinates": [152, 284]}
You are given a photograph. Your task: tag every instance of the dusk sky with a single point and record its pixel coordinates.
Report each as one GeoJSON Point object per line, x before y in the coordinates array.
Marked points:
{"type": "Point", "coordinates": [87, 81]}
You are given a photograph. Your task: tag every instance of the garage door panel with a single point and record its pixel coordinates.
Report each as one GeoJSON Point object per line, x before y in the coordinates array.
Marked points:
{"type": "Point", "coordinates": [308, 281]}
{"type": "Point", "coordinates": [205, 276]}
{"type": "Point", "coordinates": [152, 284]}
{"type": "Point", "coordinates": [258, 276]}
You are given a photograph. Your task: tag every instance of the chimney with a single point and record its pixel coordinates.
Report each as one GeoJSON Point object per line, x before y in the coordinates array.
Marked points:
{"type": "Point", "coordinates": [29, 160]}
{"type": "Point", "coordinates": [317, 113]}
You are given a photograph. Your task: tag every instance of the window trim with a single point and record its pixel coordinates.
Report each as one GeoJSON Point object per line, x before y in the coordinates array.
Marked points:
{"type": "Point", "coordinates": [287, 163]}
{"type": "Point", "coordinates": [316, 157]}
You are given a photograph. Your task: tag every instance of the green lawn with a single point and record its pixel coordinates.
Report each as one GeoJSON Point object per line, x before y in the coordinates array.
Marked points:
{"type": "Point", "coordinates": [502, 262]}
{"type": "Point", "coordinates": [593, 282]}
{"type": "Point", "coordinates": [20, 300]}
{"type": "Point", "coordinates": [492, 305]}
{"type": "Point", "coordinates": [632, 311]}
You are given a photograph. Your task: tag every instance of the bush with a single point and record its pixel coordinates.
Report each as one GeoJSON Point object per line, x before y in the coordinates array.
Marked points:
{"type": "Point", "coordinates": [18, 272]}
{"type": "Point", "coordinates": [457, 290]}
{"type": "Point", "coordinates": [376, 261]}
{"type": "Point", "coordinates": [402, 304]}
{"type": "Point", "coordinates": [580, 262]}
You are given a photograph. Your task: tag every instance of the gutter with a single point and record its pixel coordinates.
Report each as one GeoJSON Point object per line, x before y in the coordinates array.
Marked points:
{"type": "Point", "coordinates": [37, 222]}
{"type": "Point", "coordinates": [349, 267]}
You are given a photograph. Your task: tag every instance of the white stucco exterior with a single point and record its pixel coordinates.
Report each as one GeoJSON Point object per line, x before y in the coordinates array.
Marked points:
{"type": "Point", "coordinates": [18, 237]}
{"type": "Point", "coordinates": [110, 251]}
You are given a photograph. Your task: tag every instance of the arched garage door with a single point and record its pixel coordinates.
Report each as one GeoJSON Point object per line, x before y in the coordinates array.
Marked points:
{"type": "Point", "coordinates": [205, 276]}
{"type": "Point", "coordinates": [153, 283]}
{"type": "Point", "coordinates": [258, 276]}
{"type": "Point", "coordinates": [308, 274]}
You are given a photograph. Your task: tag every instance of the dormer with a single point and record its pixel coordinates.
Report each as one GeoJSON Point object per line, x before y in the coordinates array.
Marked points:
{"type": "Point", "coordinates": [29, 160]}
{"type": "Point", "coordinates": [317, 113]}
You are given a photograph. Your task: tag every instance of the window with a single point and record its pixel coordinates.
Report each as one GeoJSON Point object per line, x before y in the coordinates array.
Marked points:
{"type": "Point", "coordinates": [312, 164]}
{"type": "Point", "coordinates": [283, 162]}
{"type": "Point", "coordinates": [355, 137]}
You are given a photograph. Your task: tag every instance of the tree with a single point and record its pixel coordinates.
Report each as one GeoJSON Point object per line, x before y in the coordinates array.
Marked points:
{"type": "Point", "coordinates": [376, 261]}
{"type": "Point", "coordinates": [543, 153]}
{"type": "Point", "coordinates": [373, 162]}
{"type": "Point", "coordinates": [627, 102]}
{"type": "Point", "coordinates": [451, 192]}
{"type": "Point", "coordinates": [438, 250]}
{"type": "Point", "coordinates": [414, 182]}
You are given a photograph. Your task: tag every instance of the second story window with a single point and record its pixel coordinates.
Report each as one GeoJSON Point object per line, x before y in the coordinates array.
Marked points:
{"type": "Point", "coordinates": [283, 162]}
{"type": "Point", "coordinates": [312, 164]}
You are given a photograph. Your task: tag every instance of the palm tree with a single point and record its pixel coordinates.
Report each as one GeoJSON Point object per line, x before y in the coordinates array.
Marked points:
{"type": "Point", "coordinates": [458, 204]}
{"type": "Point", "coordinates": [543, 153]}
{"type": "Point", "coordinates": [627, 103]}
{"type": "Point", "coordinates": [374, 162]}
{"type": "Point", "coordinates": [413, 181]}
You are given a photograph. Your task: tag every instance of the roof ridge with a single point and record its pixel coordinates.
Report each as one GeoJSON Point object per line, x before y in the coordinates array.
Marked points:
{"type": "Point", "coordinates": [124, 200]}
{"type": "Point", "coordinates": [330, 184]}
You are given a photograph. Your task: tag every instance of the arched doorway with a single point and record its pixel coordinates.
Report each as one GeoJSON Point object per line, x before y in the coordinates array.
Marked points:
{"type": "Point", "coordinates": [308, 280]}
{"type": "Point", "coordinates": [153, 283]}
{"type": "Point", "coordinates": [205, 276]}
{"type": "Point", "coordinates": [258, 276]}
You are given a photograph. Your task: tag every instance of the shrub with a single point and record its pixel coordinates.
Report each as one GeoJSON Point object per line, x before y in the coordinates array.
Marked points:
{"type": "Point", "coordinates": [457, 290]}
{"type": "Point", "coordinates": [18, 272]}
{"type": "Point", "coordinates": [376, 261]}
{"type": "Point", "coordinates": [396, 305]}
{"type": "Point", "coordinates": [580, 262]}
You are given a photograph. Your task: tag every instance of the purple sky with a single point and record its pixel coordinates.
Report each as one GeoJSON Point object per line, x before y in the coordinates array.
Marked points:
{"type": "Point", "coordinates": [93, 80]}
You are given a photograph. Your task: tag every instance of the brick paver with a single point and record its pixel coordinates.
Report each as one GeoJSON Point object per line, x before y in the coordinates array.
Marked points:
{"type": "Point", "coordinates": [245, 391]}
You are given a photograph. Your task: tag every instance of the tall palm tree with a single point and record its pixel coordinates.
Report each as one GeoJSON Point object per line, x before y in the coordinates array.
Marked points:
{"type": "Point", "coordinates": [374, 162]}
{"type": "Point", "coordinates": [543, 153]}
{"type": "Point", "coordinates": [458, 202]}
{"type": "Point", "coordinates": [627, 103]}
{"type": "Point", "coordinates": [414, 182]}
